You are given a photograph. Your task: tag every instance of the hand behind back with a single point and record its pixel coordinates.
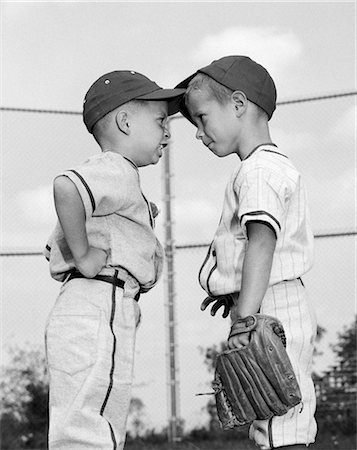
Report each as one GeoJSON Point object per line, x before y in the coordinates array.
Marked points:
{"type": "Point", "coordinates": [92, 262]}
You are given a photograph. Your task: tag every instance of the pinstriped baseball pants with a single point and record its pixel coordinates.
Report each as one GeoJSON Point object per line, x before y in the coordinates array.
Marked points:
{"type": "Point", "coordinates": [288, 302]}
{"type": "Point", "coordinates": [90, 340]}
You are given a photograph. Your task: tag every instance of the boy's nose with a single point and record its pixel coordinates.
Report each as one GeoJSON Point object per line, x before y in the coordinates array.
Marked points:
{"type": "Point", "coordinates": [199, 133]}
{"type": "Point", "coordinates": [167, 133]}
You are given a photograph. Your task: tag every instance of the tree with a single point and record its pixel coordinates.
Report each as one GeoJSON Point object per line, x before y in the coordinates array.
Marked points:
{"type": "Point", "coordinates": [336, 389]}
{"type": "Point", "coordinates": [210, 356]}
{"type": "Point", "coordinates": [345, 351]}
{"type": "Point", "coordinates": [24, 399]}
{"type": "Point", "coordinates": [136, 426]}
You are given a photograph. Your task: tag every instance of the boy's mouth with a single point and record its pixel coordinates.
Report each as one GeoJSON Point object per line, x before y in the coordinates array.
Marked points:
{"type": "Point", "coordinates": [209, 144]}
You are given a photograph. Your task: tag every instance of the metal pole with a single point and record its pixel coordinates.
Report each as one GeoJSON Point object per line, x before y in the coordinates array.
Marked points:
{"type": "Point", "coordinates": [172, 372]}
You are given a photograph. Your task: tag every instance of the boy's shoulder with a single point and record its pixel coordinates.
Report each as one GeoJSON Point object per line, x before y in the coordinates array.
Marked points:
{"type": "Point", "coordinates": [270, 164]}
{"type": "Point", "coordinates": [108, 162]}
{"type": "Point", "coordinates": [269, 158]}
{"type": "Point", "coordinates": [104, 169]}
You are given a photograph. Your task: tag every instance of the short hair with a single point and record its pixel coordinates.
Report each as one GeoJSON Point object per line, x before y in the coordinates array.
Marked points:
{"type": "Point", "coordinates": [100, 127]}
{"type": "Point", "coordinates": [217, 90]}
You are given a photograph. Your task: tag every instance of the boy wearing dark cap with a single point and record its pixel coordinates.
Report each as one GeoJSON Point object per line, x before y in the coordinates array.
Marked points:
{"type": "Point", "coordinates": [264, 243]}
{"type": "Point", "coordinates": [106, 254]}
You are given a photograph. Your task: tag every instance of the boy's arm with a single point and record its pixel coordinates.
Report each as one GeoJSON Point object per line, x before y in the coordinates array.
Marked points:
{"type": "Point", "coordinates": [71, 214]}
{"type": "Point", "coordinates": [255, 275]}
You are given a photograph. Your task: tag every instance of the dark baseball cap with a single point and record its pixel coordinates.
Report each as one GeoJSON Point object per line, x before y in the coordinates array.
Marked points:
{"type": "Point", "coordinates": [116, 88]}
{"type": "Point", "coordinates": [240, 73]}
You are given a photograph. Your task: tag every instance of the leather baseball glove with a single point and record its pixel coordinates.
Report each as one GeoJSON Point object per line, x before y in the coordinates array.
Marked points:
{"type": "Point", "coordinates": [256, 381]}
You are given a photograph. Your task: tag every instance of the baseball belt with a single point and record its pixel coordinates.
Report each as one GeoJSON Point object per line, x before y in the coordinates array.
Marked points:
{"type": "Point", "coordinates": [106, 278]}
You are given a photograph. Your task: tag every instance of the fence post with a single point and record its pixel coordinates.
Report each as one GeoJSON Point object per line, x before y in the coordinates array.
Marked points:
{"type": "Point", "coordinates": [170, 294]}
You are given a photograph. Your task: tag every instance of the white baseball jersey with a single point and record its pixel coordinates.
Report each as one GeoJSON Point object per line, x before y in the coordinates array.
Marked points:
{"type": "Point", "coordinates": [90, 333]}
{"type": "Point", "coordinates": [267, 188]}
{"type": "Point", "coordinates": [119, 220]}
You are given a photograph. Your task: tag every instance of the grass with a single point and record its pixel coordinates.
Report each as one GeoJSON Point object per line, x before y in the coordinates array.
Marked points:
{"type": "Point", "coordinates": [323, 442]}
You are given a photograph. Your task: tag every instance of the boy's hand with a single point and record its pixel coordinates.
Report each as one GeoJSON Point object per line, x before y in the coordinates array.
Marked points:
{"type": "Point", "coordinates": [239, 341]}
{"type": "Point", "coordinates": [92, 262]}
{"type": "Point", "coordinates": [220, 300]}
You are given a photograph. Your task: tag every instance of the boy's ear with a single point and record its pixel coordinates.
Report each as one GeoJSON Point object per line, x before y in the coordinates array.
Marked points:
{"type": "Point", "coordinates": [240, 102]}
{"type": "Point", "coordinates": [122, 120]}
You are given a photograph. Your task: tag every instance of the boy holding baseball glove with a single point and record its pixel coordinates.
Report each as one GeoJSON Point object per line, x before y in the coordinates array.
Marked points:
{"type": "Point", "coordinates": [264, 243]}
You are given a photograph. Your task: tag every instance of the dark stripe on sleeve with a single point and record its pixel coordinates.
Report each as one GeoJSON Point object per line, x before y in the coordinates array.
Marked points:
{"type": "Point", "coordinates": [48, 248]}
{"type": "Point", "coordinates": [259, 213]}
{"type": "Point", "coordinates": [87, 188]}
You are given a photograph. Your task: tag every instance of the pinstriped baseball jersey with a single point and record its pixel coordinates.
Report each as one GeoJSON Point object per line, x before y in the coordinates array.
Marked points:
{"type": "Point", "coordinates": [267, 188]}
{"type": "Point", "coordinates": [119, 220]}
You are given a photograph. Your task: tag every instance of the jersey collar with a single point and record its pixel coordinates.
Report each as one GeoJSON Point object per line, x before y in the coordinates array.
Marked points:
{"type": "Point", "coordinates": [268, 144]}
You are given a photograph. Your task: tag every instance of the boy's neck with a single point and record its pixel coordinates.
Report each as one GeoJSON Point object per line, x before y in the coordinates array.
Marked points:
{"type": "Point", "coordinates": [114, 147]}
{"type": "Point", "coordinates": [252, 140]}
{"type": "Point", "coordinates": [119, 151]}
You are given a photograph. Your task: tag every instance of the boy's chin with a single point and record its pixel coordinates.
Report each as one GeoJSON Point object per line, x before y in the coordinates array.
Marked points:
{"type": "Point", "coordinates": [220, 153]}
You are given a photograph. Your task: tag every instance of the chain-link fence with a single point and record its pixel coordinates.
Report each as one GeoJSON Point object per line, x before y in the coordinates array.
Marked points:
{"type": "Point", "coordinates": [318, 135]}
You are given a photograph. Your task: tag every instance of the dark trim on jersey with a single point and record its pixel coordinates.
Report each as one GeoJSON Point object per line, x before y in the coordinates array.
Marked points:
{"type": "Point", "coordinates": [110, 386]}
{"type": "Point", "coordinates": [272, 151]}
{"type": "Point", "coordinates": [259, 213]}
{"type": "Point", "coordinates": [86, 186]}
{"type": "Point", "coordinates": [270, 432]}
{"type": "Point", "coordinates": [209, 276]}
{"type": "Point", "coordinates": [113, 437]}
{"type": "Point", "coordinates": [151, 218]}
{"type": "Point", "coordinates": [48, 248]}
{"type": "Point", "coordinates": [131, 162]}
{"type": "Point", "coordinates": [258, 146]}
{"type": "Point", "coordinates": [205, 260]}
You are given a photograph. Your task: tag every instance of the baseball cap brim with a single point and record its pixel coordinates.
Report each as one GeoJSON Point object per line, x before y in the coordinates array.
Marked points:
{"type": "Point", "coordinates": [172, 96]}
{"type": "Point", "coordinates": [182, 106]}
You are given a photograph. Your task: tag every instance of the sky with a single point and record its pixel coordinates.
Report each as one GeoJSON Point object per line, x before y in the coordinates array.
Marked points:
{"type": "Point", "coordinates": [51, 52]}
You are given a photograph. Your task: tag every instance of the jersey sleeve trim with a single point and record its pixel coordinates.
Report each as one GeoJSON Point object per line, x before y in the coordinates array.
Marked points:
{"type": "Point", "coordinates": [90, 194]}
{"type": "Point", "coordinates": [260, 213]}
{"type": "Point", "coordinates": [262, 217]}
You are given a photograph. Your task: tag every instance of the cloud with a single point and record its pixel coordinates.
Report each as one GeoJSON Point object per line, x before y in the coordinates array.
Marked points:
{"type": "Point", "coordinates": [36, 206]}
{"type": "Point", "coordinates": [345, 126]}
{"type": "Point", "coordinates": [273, 48]}
{"type": "Point", "coordinates": [195, 219]}
{"type": "Point", "coordinates": [30, 218]}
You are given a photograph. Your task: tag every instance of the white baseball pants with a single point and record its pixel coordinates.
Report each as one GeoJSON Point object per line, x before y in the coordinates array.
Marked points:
{"type": "Point", "coordinates": [90, 340]}
{"type": "Point", "coordinates": [288, 302]}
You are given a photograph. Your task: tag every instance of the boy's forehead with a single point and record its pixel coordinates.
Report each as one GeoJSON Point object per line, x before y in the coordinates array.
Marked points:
{"type": "Point", "coordinates": [158, 106]}
{"type": "Point", "coordinates": [196, 98]}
